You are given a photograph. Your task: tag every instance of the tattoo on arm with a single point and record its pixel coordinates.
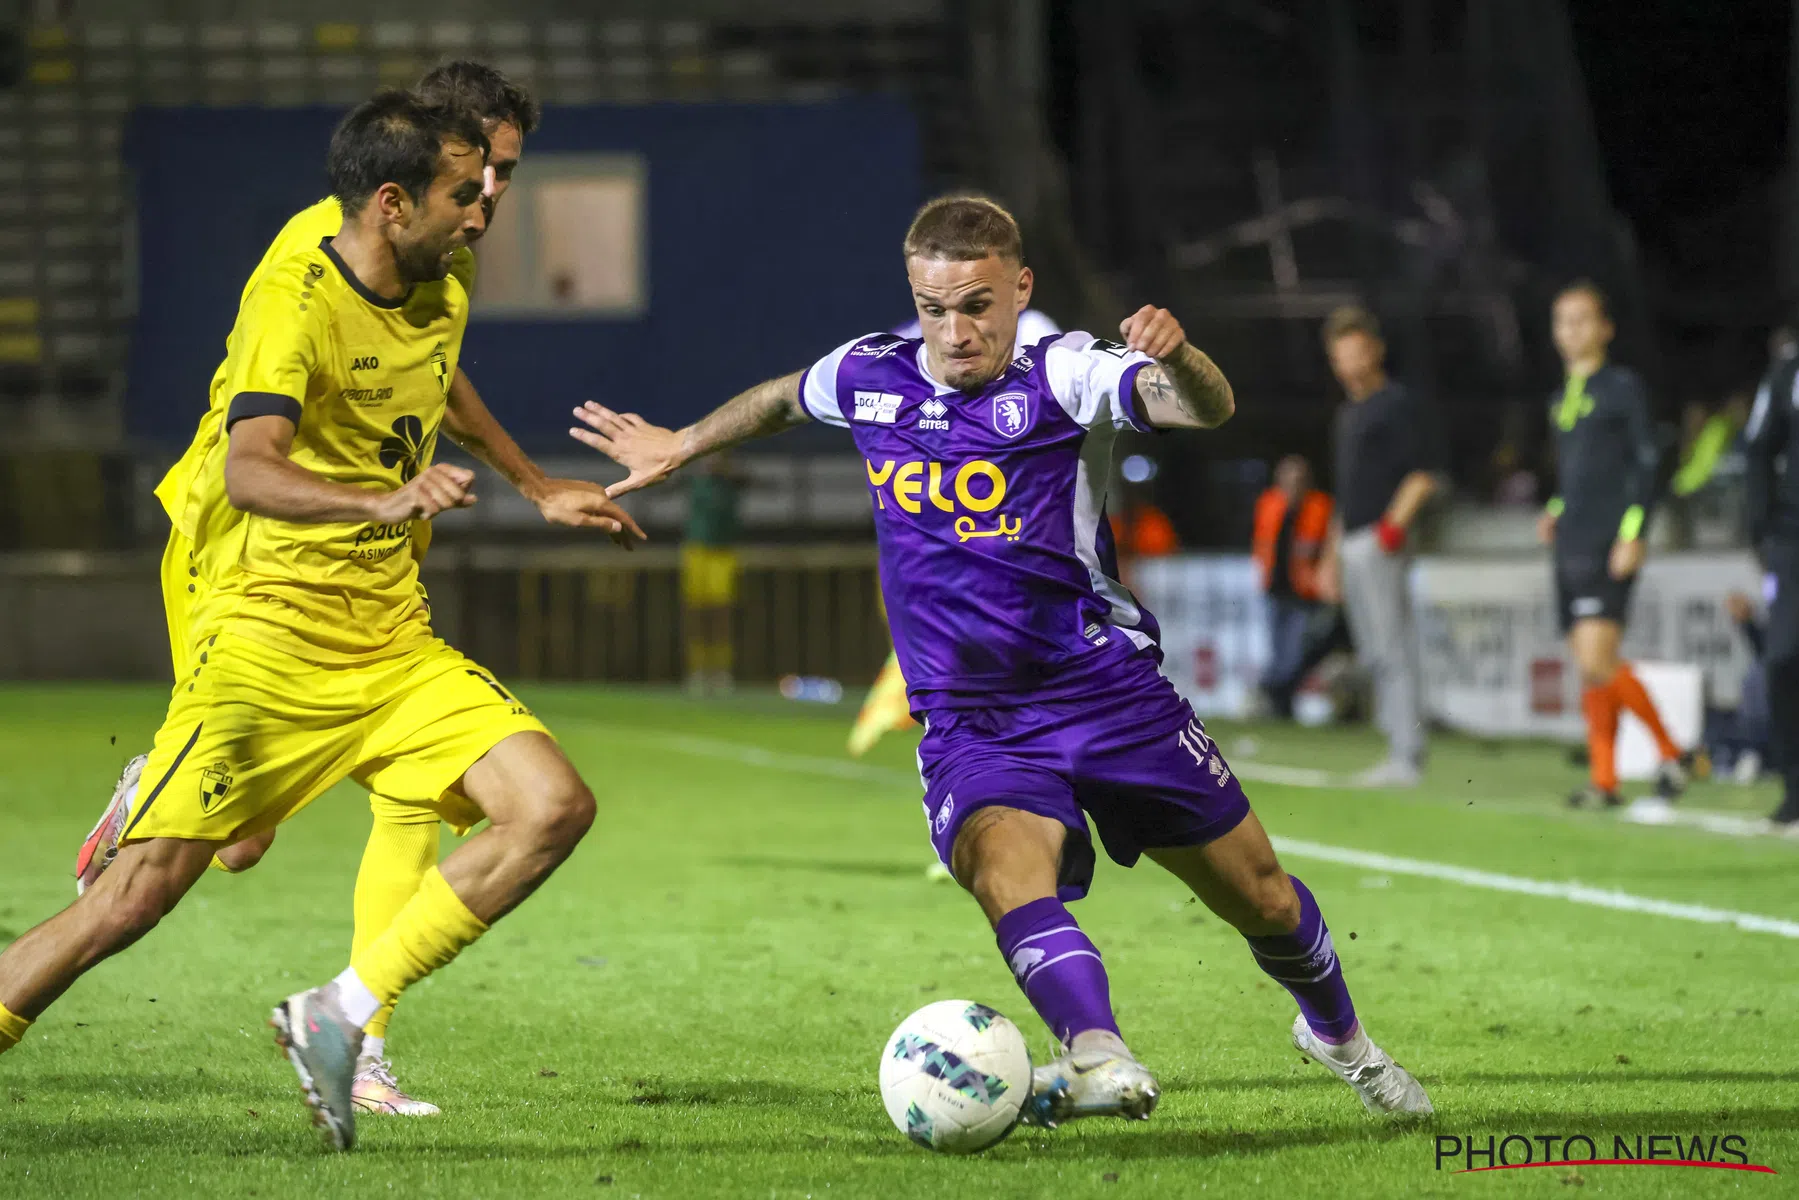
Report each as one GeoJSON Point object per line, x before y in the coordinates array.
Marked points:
{"type": "Point", "coordinates": [768, 408]}
{"type": "Point", "coordinates": [1188, 380]}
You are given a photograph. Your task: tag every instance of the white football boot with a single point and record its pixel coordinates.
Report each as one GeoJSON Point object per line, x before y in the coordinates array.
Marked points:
{"type": "Point", "coordinates": [102, 845]}
{"type": "Point", "coordinates": [375, 1090]}
{"type": "Point", "coordinates": [323, 1046]}
{"type": "Point", "coordinates": [1383, 1085]}
{"type": "Point", "coordinates": [1102, 1080]}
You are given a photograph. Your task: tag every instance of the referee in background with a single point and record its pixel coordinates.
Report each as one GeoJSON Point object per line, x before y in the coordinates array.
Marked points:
{"type": "Point", "coordinates": [1389, 461]}
{"type": "Point", "coordinates": [1771, 512]}
{"type": "Point", "coordinates": [1606, 460]}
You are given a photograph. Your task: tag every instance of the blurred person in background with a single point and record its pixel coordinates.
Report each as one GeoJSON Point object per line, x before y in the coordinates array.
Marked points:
{"type": "Point", "coordinates": [1140, 529]}
{"type": "Point", "coordinates": [1513, 483]}
{"type": "Point", "coordinates": [1737, 739]}
{"type": "Point", "coordinates": [1389, 462]}
{"type": "Point", "coordinates": [1771, 515]}
{"type": "Point", "coordinates": [1606, 458]}
{"type": "Point", "coordinates": [709, 575]}
{"type": "Point", "coordinates": [1705, 438]}
{"type": "Point", "coordinates": [1292, 526]}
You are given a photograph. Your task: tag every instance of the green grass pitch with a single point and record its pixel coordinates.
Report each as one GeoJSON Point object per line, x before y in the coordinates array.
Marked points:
{"type": "Point", "coordinates": [694, 1005]}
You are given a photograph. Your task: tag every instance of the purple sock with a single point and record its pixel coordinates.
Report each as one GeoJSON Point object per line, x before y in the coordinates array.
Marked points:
{"type": "Point", "coordinates": [1058, 968]}
{"type": "Point", "coordinates": [1305, 963]}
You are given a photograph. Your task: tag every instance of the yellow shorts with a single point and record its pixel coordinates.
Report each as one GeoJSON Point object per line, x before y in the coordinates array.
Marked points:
{"type": "Point", "coordinates": [708, 576]}
{"type": "Point", "coordinates": [180, 584]}
{"type": "Point", "coordinates": [253, 735]}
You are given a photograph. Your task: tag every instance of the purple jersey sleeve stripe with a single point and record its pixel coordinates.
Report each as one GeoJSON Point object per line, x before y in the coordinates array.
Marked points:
{"type": "Point", "coordinates": [1128, 402]}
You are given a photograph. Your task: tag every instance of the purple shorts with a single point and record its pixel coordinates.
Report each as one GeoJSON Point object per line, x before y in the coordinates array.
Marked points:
{"type": "Point", "coordinates": [1132, 755]}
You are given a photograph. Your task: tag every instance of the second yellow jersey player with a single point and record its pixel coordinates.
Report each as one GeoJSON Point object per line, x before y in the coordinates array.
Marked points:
{"type": "Point", "coordinates": [304, 232]}
{"type": "Point", "coordinates": [403, 842]}
{"type": "Point", "coordinates": [264, 716]}
{"type": "Point", "coordinates": [307, 651]}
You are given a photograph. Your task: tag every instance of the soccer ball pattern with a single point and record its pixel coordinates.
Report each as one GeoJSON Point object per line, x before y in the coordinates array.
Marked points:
{"type": "Point", "coordinates": [954, 1076]}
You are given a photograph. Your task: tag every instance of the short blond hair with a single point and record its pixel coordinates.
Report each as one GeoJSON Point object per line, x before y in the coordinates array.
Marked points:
{"type": "Point", "coordinates": [964, 227]}
{"type": "Point", "coordinates": [1347, 319]}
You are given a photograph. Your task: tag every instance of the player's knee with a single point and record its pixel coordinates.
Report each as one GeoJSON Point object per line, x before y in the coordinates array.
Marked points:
{"type": "Point", "coordinates": [565, 813]}
{"type": "Point", "coordinates": [1595, 664]}
{"type": "Point", "coordinates": [1005, 858]}
{"type": "Point", "coordinates": [242, 855]}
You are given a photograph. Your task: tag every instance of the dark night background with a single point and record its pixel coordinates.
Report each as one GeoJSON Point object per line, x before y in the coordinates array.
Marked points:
{"type": "Point", "coordinates": [1689, 101]}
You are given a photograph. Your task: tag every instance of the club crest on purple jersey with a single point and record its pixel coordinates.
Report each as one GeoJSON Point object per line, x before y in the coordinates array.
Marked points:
{"type": "Point", "coordinates": [1011, 413]}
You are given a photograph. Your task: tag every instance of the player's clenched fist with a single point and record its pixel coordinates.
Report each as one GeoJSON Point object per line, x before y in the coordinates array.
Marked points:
{"type": "Point", "coordinates": [1153, 331]}
{"type": "Point", "coordinates": [438, 487]}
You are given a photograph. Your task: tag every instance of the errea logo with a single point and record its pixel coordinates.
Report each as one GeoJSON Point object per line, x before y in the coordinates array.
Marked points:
{"type": "Point", "coordinates": [366, 362]}
{"type": "Point", "coordinates": [880, 407]}
{"type": "Point", "coordinates": [933, 414]}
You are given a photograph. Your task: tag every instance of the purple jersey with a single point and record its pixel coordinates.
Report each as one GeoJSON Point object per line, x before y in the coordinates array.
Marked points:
{"type": "Point", "coordinates": [996, 556]}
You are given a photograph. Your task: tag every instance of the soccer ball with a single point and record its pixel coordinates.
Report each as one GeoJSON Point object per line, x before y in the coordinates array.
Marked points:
{"type": "Point", "coordinates": [955, 1076]}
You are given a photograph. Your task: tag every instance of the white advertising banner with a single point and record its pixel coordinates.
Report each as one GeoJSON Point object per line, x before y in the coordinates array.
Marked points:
{"type": "Point", "coordinates": [1494, 662]}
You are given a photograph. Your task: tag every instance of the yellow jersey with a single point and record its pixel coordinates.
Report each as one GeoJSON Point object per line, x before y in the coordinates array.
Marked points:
{"type": "Point", "coordinates": [303, 231]}
{"type": "Point", "coordinates": [365, 382]}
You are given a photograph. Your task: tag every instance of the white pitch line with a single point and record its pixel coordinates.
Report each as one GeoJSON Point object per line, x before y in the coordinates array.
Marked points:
{"type": "Point", "coordinates": [1660, 815]}
{"type": "Point", "coordinates": [1574, 893]}
{"type": "Point", "coordinates": [1261, 772]}
{"type": "Point", "coordinates": [756, 756]}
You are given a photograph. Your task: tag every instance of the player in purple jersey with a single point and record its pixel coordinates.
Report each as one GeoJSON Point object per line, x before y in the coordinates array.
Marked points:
{"type": "Point", "coordinates": [1032, 669]}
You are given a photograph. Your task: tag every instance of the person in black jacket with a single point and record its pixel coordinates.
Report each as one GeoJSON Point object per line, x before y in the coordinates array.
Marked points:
{"type": "Point", "coordinates": [1606, 460]}
{"type": "Point", "coordinates": [1771, 513]}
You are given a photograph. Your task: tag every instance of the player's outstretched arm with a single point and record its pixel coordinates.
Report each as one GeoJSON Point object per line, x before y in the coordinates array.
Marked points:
{"type": "Point", "coordinates": [572, 502]}
{"type": "Point", "coordinates": [1184, 389]}
{"type": "Point", "coordinates": [651, 453]}
{"type": "Point", "coordinates": [260, 478]}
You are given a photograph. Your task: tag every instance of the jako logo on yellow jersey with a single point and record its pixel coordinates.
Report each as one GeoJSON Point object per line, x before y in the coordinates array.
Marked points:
{"type": "Point", "coordinates": [977, 486]}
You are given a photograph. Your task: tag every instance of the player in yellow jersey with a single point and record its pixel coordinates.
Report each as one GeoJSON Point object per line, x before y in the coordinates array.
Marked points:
{"type": "Point", "coordinates": [403, 841]}
{"type": "Point", "coordinates": [312, 656]}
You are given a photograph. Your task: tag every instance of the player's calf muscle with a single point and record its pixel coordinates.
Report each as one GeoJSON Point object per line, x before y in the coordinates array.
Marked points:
{"type": "Point", "coordinates": [146, 882]}
{"type": "Point", "coordinates": [539, 808]}
{"type": "Point", "coordinates": [1238, 878]}
{"type": "Point", "coordinates": [1007, 857]}
{"type": "Point", "coordinates": [526, 782]}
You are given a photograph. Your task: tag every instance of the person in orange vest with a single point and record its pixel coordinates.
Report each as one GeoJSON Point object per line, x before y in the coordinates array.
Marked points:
{"type": "Point", "coordinates": [1292, 524]}
{"type": "Point", "coordinates": [1140, 529]}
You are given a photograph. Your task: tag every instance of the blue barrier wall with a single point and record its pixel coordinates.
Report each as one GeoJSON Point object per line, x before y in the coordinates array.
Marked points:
{"type": "Point", "coordinates": [773, 234]}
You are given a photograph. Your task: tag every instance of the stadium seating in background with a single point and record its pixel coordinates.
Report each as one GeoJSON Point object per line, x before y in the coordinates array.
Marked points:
{"type": "Point", "coordinates": [66, 292]}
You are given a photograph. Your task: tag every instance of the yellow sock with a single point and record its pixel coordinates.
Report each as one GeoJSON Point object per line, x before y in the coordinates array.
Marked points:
{"type": "Point", "coordinates": [12, 1029]}
{"type": "Point", "coordinates": [393, 867]}
{"type": "Point", "coordinates": [430, 931]}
